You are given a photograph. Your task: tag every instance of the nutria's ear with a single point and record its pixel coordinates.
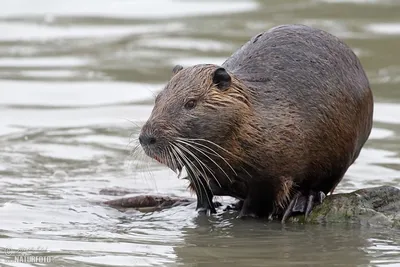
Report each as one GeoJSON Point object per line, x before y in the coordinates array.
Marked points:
{"type": "Point", "coordinates": [222, 79]}
{"type": "Point", "coordinates": [176, 69]}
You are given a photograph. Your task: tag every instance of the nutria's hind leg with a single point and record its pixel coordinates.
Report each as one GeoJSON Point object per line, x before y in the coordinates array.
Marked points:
{"type": "Point", "coordinates": [303, 203]}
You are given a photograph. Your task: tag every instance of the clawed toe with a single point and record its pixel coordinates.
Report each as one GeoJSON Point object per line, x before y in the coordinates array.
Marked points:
{"type": "Point", "coordinates": [301, 203]}
{"type": "Point", "coordinates": [205, 207]}
{"type": "Point", "coordinates": [289, 208]}
{"type": "Point", "coordinates": [310, 205]}
{"type": "Point", "coordinates": [321, 196]}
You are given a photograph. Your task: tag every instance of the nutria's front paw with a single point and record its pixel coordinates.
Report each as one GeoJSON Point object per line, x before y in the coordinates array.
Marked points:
{"type": "Point", "coordinates": [207, 211]}
{"type": "Point", "coordinates": [207, 206]}
{"type": "Point", "coordinates": [301, 203]}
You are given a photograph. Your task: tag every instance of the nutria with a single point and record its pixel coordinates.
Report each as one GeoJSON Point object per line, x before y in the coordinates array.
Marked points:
{"type": "Point", "coordinates": [276, 126]}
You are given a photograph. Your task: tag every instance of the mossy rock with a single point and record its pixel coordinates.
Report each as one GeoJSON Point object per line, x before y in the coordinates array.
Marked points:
{"type": "Point", "coordinates": [376, 206]}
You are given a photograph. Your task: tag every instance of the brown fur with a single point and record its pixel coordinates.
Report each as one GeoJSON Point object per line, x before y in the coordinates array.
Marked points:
{"type": "Point", "coordinates": [292, 117]}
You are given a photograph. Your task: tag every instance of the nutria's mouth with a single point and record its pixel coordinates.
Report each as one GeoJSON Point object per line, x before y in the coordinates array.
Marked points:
{"type": "Point", "coordinates": [177, 169]}
{"type": "Point", "coordinates": [158, 159]}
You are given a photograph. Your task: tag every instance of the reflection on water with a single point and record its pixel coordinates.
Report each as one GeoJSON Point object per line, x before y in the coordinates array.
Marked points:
{"type": "Point", "coordinates": [297, 245]}
{"type": "Point", "coordinates": [77, 80]}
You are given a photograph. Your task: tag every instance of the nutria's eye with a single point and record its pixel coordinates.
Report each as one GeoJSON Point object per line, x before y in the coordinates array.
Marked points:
{"type": "Point", "coordinates": [190, 104]}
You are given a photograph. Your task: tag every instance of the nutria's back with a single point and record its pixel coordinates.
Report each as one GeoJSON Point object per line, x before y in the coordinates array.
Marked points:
{"type": "Point", "coordinates": [313, 94]}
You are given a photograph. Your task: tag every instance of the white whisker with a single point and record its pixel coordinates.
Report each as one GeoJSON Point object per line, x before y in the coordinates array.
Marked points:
{"type": "Point", "coordinates": [213, 152]}
{"type": "Point", "coordinates": [213, 161]}
{"type": "Point", "coordinates": [190, 166]}
{"type": "Point", "coordinates": [201, 164]}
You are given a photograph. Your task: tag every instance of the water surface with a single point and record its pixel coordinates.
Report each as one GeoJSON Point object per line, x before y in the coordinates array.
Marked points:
{"type": "Point", "coordinates": [77, 78]}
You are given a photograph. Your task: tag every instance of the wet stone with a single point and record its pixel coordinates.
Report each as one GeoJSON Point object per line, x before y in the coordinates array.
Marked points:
{"type": "Point", "coordinates": [375, 207]}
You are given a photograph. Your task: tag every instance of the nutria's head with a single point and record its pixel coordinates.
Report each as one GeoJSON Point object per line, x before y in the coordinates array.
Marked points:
{"type": "Point", "coordinates": [197, 115]}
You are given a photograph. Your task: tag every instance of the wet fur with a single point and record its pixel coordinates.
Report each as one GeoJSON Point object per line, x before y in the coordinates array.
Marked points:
{"type": "Point", "coordinates": [297, 113]}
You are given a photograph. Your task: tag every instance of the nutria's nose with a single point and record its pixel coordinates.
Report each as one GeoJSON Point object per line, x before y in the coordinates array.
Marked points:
{"type": "Point", "coordinates": [147, 139]}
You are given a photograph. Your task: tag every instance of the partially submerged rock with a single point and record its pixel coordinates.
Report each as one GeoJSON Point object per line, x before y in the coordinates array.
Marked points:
{"type": "Point", "coordinates": [376, 206]}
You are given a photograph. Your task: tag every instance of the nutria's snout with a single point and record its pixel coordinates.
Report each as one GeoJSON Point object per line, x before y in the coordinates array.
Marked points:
{"type": "Point", "coordinates": [146, 139]}
{"type": "Point", "coordinates": [155, 144]}
{"type": "Point", "coordinates": [149, 140]}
